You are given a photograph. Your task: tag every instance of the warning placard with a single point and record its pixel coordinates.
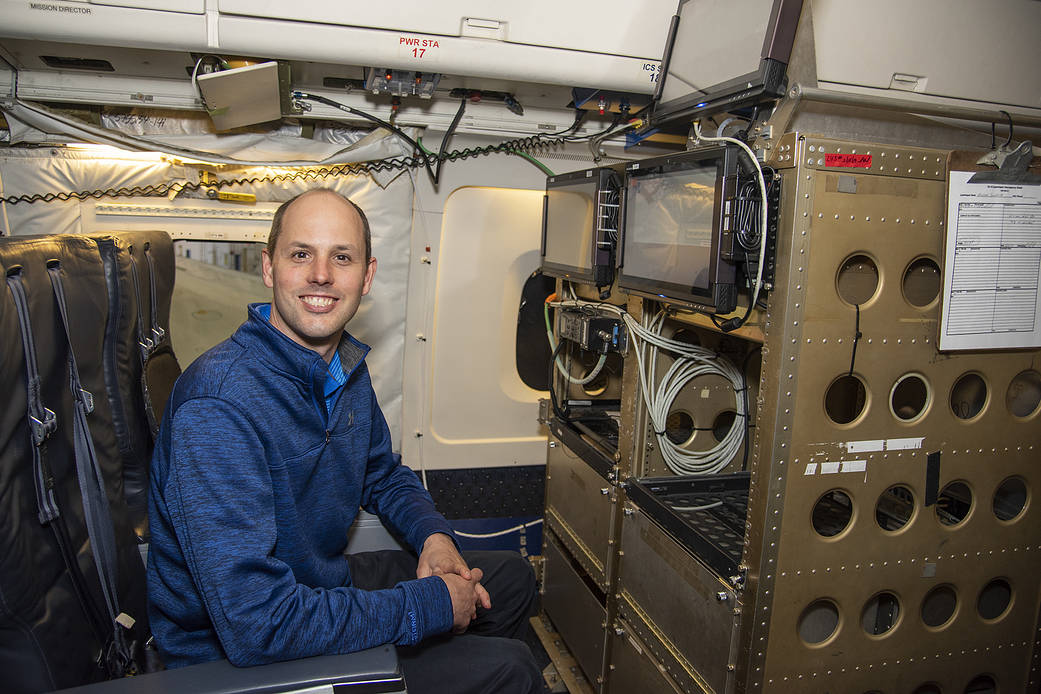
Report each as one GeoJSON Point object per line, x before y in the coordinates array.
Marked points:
{"type": "Point", "coordinates": [848, 161]}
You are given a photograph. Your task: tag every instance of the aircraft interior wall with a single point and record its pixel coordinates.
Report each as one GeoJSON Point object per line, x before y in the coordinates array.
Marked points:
{"type": "Point", "coordinates": [441, 319]}
{"type": "Point", "coordinates": [762, 410]}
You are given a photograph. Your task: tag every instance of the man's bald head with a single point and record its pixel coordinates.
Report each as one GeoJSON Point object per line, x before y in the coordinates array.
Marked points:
{"type": "Point", "coordinates": [280, 213]}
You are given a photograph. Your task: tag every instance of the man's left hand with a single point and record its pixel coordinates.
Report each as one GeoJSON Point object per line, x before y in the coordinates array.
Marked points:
{"type": "Point", "coordinates": [439, 556]}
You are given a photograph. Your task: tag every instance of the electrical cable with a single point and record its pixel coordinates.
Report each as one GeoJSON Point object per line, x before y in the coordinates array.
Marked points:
{"type": "Point", "coordinates": [704, 507]}
{"type": "Point", "coordinates": [446, 138]}
{"type": "Point", "coordinates": [579, 138]}
{"type": "Point", "coordinates": [763, 207]}
{"type": "Point", "coordinates": [596, 140]}
{"type": "Point", "coordinates": [368, 116]}
{"type": "Point", "coordinates": [195, 74]}
{"type": "Point", "coordinates": [856, 339]}
{"type": "Point", "coordinates": [726, 122]}
{"type": "Point", "coordinates": [580, 116]}
{"type": "Point", "coordinates": [559, 413]}
{"type": "Point", "coordinates": [178, 187]}
{"type": "Point", "coordinates": [690, 362]}
{"type": "Point", "coordinates": [517, 147]}
{"type": "Point", "coordinates": [500, 533]}
{"type": "Point", "coordinates": [545, 169]}
{"type": "Point", "coordinates": [3, 208]}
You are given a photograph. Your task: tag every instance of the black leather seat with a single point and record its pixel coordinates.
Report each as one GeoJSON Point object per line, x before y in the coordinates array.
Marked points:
{"type": "Point", "coordinates": [374, 671]}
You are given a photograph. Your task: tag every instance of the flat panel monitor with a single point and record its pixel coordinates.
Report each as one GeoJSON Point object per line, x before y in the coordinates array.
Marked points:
{"type": "Point", "coordinates": [580, 226]}
{"type": "Point", "coordinates": [677, 230]}
{"type": "Point", "coordinates": [723, 55]}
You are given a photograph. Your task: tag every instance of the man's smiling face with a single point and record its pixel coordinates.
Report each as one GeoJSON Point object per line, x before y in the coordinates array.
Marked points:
{"type": "Point", "coordinates": [318, 271]}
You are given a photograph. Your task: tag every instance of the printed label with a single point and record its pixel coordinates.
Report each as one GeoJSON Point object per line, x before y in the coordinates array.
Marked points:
{"type": "Point", "coordinates": [654, 69]}
{"type": "Point", "coordinates": [51, 7]}
{"type": "Point", "coordinates": [848, 161]}
{"type": "Point", "coordinates": [418, 48]}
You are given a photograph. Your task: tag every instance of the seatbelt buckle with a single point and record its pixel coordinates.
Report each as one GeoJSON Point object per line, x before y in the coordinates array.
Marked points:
{"type": "Point", "coordinates": [147, 346]}
{"type": "Point", "coordinates": [88, 400]}
{"type": "Point", "coordinates": [159, 335]}
{"type": "Point", "coordinates": [42, 429]}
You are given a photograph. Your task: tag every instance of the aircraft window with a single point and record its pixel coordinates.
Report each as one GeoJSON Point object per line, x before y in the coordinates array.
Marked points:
{"type": "Point", "coordinates": [881, 613]}
{"type": "Point", "coordinates": [818, 622]}
{"type": "Point", "coordinates": [215, 281]}
{"type": "Point", "coordinates": [857, 280]}
{"type": "Point", "coordinates": [1010, 499]}
{"type": "Point", "coordinates": [921, 282]}
{"type": "Point", "coordinates": [533, 350]}
{"type": "Point", "coordinates": [994, 599]}
{"type": "Point", "coordinates": [846, 399]}
{"type": "Point", "coordinates": [1024, 394]}
{"type": "Point", "coordinates": [939, 606]}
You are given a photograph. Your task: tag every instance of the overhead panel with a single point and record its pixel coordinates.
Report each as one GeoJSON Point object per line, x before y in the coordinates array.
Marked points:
{"type": "Point", "coordinates": [83, 22]}
{"type": "Point", "coordinates": [635, 30]}
{"type": "Point", "coordinates": [986, 52]}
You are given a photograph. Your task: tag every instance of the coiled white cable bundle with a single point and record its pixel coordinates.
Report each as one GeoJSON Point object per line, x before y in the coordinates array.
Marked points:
{"type": "Point", "coordinates": [691, 362]}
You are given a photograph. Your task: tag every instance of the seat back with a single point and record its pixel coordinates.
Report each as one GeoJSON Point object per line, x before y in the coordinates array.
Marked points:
{"type": "Point", "coordinates": [140, 366]}
{"type": "Point", "coordinates": [56, 622]}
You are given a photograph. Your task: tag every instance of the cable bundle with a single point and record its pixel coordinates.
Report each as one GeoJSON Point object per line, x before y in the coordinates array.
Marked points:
{"type": "Point", "coordinates": [691, 362]}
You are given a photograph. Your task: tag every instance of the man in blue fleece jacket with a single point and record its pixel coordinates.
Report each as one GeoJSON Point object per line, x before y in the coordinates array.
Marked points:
{"type": "Point", "coordinates": [270, 443]}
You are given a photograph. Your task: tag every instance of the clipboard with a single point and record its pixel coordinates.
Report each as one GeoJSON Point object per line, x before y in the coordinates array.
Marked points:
{"type": "Point", "coordinates": [992, 256]}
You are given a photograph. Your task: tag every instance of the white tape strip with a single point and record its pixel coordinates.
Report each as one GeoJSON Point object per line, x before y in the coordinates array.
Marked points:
{"type": "Point", "coordinates": [829, 468]}
{"type": "Point", "coordinates": [854, 465]}
{"type": "Point", "coordinates": [904, 444]}
{"type": "Point", "coordinates": [811, 469]}
{"type": "Point", "coordinates": [865, 446]}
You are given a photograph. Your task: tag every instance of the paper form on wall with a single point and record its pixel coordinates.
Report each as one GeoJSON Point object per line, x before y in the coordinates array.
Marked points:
{"type": "Point", "coordinates": [991, 279]}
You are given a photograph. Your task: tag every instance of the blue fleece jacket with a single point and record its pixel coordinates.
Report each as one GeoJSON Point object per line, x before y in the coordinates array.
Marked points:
{"type": "Point", "coordinates": [254, 486]}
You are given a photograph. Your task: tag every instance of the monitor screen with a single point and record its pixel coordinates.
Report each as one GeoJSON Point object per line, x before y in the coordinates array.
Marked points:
{"type": "Point", "coordinates": [569, 225]}
{"type": "Point", "coordinates": [725, 54]}
{"type": "Point", "coordinates": [669, 226]}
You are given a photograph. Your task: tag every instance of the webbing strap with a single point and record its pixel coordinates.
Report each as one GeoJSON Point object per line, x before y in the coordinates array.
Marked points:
{"type": "Point", "coordinates": [42, 421]}
{"type": "Point", "coordinates": [92, 487]}
{"type": "Point", "coordinates": [144, 344]}
{"type": "Point", "coordinates": [147, 345]}
{"type": "Point", "coordinates": [157, 332]}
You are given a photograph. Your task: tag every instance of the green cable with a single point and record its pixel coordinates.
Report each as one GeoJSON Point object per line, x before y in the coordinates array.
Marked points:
{"type": "Point", "coordinates": [533, 160]}
{"type": "Point", "coordinates": [419, 141]}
